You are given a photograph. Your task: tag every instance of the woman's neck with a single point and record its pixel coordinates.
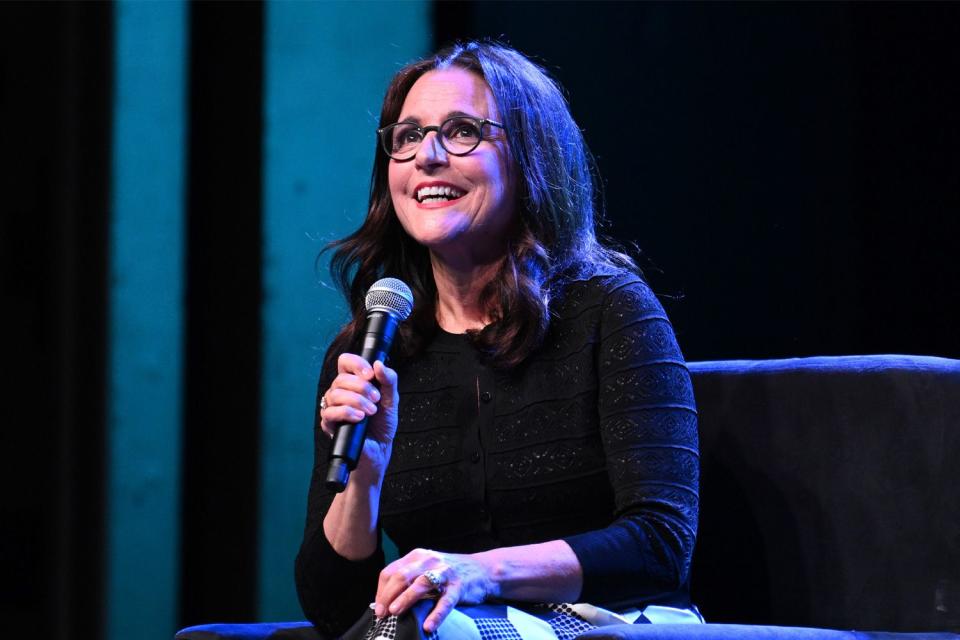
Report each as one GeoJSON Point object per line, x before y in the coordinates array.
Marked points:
{"type": "Point", "coordinates": [459, 308]}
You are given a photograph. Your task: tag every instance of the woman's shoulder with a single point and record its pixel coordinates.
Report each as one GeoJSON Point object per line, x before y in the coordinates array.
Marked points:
{"type": "Point", "coordinates": [600, 288]}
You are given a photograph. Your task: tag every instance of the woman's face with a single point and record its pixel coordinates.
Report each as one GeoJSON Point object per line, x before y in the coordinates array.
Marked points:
{"type": "Point", "coordinates": [471, 226]}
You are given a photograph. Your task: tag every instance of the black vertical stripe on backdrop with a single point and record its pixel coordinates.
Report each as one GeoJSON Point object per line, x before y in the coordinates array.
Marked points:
{"type": "Point", "coordinates": [222, 369]}
{"type": "Point", "coordinates": [55, 104]}
{"type": "Point", "coordinates": [88, 81]}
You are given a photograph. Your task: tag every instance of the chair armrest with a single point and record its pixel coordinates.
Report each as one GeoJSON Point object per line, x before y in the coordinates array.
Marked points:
{"type": "Point", "coordinates": [745, 632]}
{"type": "Point", "coordinates": [255, 631]}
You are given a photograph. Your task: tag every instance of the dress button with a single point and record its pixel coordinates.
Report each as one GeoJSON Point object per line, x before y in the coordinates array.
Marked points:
{"type": "Point", "coordinates": [485, 396]}
{"type": "Point", "coordinates": [475, 457]}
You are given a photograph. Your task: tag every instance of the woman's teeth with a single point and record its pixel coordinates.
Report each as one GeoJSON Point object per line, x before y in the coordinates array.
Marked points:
{"type": "Point", "coordinates": [438, 194]}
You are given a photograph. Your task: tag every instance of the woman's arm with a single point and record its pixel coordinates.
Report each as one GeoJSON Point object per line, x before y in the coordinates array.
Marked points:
{"type": "Point", "coordinates": [648, 423]}
{"type": "Point", "coordinates": [340, 556]}
{"type": "Point", "coordinates": [544, 572]}
{"type": "Point", "coordinates": [351, 523]}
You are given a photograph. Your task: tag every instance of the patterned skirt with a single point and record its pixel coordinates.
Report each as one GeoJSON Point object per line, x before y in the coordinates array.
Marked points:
{"type": "Point", "coordinates": [516, 621]}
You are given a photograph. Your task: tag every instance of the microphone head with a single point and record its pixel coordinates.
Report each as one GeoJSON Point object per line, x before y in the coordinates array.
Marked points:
{"type": "Point", "coordinates": [390, 295]}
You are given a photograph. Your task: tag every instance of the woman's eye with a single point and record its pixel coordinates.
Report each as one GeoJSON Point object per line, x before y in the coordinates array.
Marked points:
{"type": "Point", "coordinates": [465, 130]}
{"type": "Point", "coordinates": [405, 136]}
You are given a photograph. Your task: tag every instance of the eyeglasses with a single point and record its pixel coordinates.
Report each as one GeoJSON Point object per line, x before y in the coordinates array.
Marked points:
{"type": "Point", "coordinates": [458, 136]}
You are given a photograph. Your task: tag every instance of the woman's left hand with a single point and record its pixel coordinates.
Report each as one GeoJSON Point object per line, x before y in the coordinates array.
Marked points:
{"type": "Point", "coordinates": [463, 580]}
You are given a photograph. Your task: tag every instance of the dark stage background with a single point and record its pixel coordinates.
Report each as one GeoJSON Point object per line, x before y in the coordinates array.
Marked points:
{"type": "Point", "coordinates": [789, 173]}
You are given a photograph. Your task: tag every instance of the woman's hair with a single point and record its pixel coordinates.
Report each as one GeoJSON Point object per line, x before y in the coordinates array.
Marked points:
{"type": "Point", "coordinates": [553, 241]}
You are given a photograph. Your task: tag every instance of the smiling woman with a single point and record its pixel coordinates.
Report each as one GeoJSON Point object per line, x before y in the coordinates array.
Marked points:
{"type": "Point", "coordinates": [464, 222]}
{"type": "Point", "coordinates": [536, 439]}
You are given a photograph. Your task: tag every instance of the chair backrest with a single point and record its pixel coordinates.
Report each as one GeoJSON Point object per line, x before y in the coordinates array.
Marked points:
{"type": "Point", "coordinates": [830, 492]}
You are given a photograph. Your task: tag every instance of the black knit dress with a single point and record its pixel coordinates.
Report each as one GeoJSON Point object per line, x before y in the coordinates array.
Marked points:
{"type": "Point", "coordinates": [593, 441]}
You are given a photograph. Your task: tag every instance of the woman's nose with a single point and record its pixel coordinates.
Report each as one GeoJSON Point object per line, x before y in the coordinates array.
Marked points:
{"type": "Point", "coordinates": [431, 152]}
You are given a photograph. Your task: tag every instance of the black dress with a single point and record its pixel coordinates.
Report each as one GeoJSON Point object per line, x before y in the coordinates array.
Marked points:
{"type": "Point", "coordinates": [593, 441]}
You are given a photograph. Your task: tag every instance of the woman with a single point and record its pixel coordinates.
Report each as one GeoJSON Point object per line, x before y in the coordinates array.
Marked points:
{"type": "Point", "coordinates": [536, 438]}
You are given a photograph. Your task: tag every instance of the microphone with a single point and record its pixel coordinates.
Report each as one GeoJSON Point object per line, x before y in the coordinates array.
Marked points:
{"type": "Point", "coordinates": [389, 302]}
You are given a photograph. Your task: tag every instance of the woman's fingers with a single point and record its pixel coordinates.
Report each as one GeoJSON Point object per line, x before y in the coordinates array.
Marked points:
{"type": "Point", "coordinates": [334, 415]}
{"type": "Point", "coordinates": [363, 402]}
{"type": "Point", "coordinates": [420, 588]}
{"type": "Point", "coordinates": [424, 574]}
{"type": "Point", "coordinates": [352, 363]}
{"type": "Point", "coordinates": [352, 394]}
{"type": "Point", "coordinates": [341, 406]}
{"type": "Point", "coordinates": [384, 374]}
{"type": "Point", "coordinates": [403, 582]}
{"type": "Point", "coordinates": [445, 604]}
{"type": "Point", "coordinates": [387, 380]}
{"type": "Point", "coordinates": [394, 580]}
{"type": "Point", "coordinates": [354, 383]}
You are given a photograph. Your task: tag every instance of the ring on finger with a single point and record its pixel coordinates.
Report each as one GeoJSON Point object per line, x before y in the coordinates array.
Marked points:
{"type": "Point", "coordinates": [435, 580]}
{"type": "Point", "coordinates": [323, 402]}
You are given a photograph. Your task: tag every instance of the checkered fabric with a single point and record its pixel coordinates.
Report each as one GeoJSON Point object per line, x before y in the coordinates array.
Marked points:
{"type": "Point", "coordinates": [507, 622]}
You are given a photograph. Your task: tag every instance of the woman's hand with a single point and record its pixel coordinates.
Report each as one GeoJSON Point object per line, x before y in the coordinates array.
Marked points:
{"type": "Point", "coordinates": [353, 396]}
{"type": "Point", "coordinates": [464, 579]}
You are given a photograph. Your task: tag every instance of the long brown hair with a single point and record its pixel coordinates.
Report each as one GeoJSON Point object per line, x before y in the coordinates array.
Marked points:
{"type": "Point", "coordinates": [554, 241]}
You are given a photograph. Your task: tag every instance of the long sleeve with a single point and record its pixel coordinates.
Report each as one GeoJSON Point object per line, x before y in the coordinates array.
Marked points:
{"type": "Point", "coordinates": [333, 591]}
{"type": "Point", "coordinates": [592, 441]}
{"type": "Point", "coordinates": [648, 427]}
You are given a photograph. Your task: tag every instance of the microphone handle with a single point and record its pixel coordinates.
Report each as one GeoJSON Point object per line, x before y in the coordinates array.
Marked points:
{"type": "Point", "coordinates": [349, 437]}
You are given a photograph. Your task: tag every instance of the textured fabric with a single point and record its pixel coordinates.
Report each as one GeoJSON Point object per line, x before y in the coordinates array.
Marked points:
{"type": "Point", "coordinates": [593, 440]}
{"type": "Point", "coordinates": [830, 492]}
{"type": "Point", "coordinates": [303, 631]}
{"type": "Point", "coordinates": [258, 631]}
{"type": "Point", "coordinates": [505, 622]}
{"type": "Point", "coordinates": [746, 632]}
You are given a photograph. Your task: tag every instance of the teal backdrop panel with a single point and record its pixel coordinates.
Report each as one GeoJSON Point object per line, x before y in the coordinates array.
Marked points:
{"type": "Point", "coordinates": [326, 68]}
{"type": "Point", "coordinates": [146, 320]}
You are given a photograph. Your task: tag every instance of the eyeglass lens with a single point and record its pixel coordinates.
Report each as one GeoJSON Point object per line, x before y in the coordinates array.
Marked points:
{"type": "Point", "coordinates": [457, 135]}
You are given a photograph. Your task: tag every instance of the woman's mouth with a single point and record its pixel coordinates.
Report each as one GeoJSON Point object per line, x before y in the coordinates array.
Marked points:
{"type": "Point", "coordinates": [437, 194]}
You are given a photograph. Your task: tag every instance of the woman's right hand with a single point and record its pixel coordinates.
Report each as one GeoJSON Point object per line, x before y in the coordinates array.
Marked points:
{"type": "Point", "coordinates": [353, 395]}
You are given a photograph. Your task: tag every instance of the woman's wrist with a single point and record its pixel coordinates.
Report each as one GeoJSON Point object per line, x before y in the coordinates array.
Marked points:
{"type": "Point", "coordinates": [544, 572]}
{"type": "Point", "coordinates": [351, 523]}
{"type": "Point", "coordinates": [372, 465]}
{"type": "Point", "coordinates": [493, 569]}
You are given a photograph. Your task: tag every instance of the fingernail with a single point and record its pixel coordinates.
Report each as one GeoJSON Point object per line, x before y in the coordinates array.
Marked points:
{"type": "Point", "coordinates": [368, 372]}
{"type": "Point", "coordinates": [375, 395]}
{"type": "Point", "coordinates": [378, 610]}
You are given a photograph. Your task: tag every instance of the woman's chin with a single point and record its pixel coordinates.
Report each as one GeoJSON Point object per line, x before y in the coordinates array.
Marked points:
{"type": "Point", "coordinates": [437, 233]}
{"type": "Point", "coordinates": [439, 243]}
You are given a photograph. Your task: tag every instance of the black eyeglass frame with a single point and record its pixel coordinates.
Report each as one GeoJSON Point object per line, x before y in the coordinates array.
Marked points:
{"type": "Point", "coordinates": [480, 122]}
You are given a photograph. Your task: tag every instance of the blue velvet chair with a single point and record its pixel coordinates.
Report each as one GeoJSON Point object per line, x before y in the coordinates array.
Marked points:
{"type": "Point", "coordinates": [830, 491]}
